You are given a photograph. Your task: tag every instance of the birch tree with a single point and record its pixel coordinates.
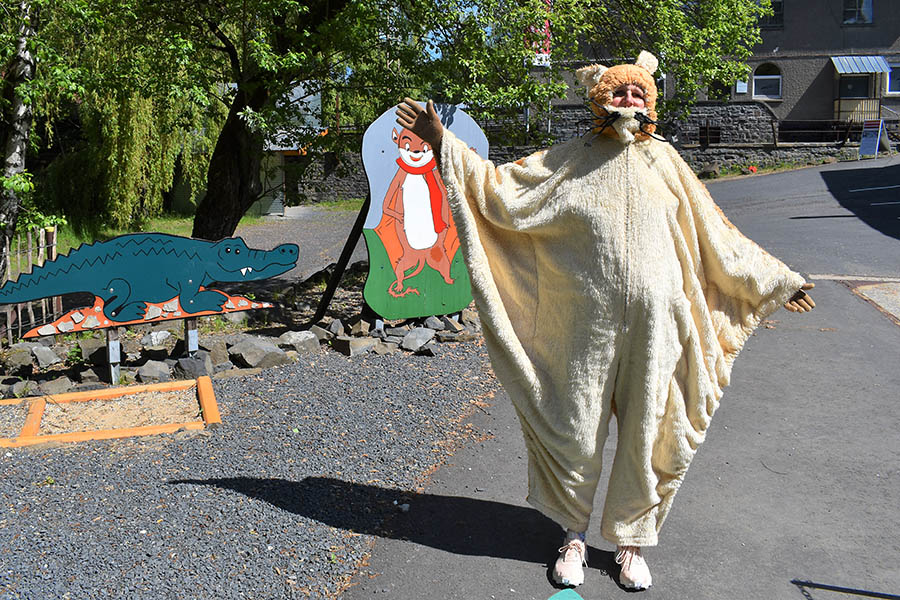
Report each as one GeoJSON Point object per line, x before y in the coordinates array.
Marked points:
{"type": "Point", "coordinates": [16, 120]}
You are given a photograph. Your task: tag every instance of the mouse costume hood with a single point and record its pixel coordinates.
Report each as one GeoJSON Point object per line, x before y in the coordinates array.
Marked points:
{"type": "Point", "coordinates": [602, 81]}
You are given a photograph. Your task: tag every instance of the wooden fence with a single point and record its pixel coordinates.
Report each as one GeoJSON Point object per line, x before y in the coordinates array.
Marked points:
{"type": "Point", "coordinates": [27, 250]}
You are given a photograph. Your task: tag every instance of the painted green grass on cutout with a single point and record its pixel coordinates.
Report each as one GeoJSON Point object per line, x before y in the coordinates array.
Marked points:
{"type": "Point", "coordinates": [435, 297]}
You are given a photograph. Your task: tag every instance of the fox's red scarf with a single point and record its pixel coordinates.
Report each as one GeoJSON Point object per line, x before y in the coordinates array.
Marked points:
{"type": "Point", "coordinates": [434, 190]}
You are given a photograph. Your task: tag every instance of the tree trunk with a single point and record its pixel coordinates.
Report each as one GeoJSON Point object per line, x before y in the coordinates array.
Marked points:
{"type": "Point", "coordinates": [233, 180]}
{"type": "Point", "coordinates": [17, 123]}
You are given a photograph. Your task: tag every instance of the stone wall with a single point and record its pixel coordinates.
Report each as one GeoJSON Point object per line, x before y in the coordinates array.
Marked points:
{"type": "Point", "coordinates": [760, 156]}
{"type": "Point", "coordinates": [330, 178]}
{"type": "Point", "coordinates": [747, 122]}
{"type": "Point", "coordinates": [562, 122]}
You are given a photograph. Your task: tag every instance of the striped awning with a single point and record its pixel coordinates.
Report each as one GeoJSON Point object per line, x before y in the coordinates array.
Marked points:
{"type": "Point", "coordinates": [860, 64]}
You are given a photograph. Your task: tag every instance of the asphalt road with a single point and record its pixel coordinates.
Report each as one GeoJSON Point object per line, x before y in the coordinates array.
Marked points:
{"type": "Point", "coordinates": [320, 233]}
{"type": "Point", "coordinates": [795, 490]}
{"type": "Point", "coordinates": [838, 219]}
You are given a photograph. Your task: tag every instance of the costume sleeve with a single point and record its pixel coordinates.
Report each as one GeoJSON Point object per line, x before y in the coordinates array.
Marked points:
{"type": "Point", "coordinates": [741, 283]}
{"type": "Point", "coordinates": [473, 180]}
{"type": "Point", "coordinates": [500, 196]}
{"type": "Point", "coordinates": [487, 206]}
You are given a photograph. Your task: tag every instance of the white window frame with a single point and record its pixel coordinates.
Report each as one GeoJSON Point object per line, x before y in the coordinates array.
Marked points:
{"type": "Point", "coordinates": [769, 77]}
{"type": "Point", "coordinates": [887, 79]}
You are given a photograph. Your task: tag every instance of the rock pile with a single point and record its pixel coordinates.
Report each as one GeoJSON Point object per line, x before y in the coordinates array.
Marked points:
{"type": "Point", "coordinates": [42, 368]}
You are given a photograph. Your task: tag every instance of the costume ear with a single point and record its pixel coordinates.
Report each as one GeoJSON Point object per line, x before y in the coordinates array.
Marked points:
{"type": "Point", "coordinates": [589, 76]}
{"type": "Point", "coordinates": [648, 61]}
{"type": "Point", "coordinates": [394, 134]}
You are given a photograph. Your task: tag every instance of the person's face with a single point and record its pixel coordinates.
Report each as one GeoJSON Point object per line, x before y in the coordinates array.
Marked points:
{"type": "Point", "coordinates": [628, 95]}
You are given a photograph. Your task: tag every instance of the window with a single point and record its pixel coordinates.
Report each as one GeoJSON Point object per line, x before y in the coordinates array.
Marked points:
{"type": "Point", "coordinates": [892, 85]}
{"type": "Point", "coordinates": [857, 12]}
{"type": "Point", "coordinates": [853, 86]}
{"type": "Point", "coordinates": [767, 82]}
{"type": "Point", "coordinates": [776, 19]}
{"type": "Point", "coordinates": [710, 134]}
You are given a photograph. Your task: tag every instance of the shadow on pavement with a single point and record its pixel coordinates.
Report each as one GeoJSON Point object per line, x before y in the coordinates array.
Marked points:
{"type": "Point", "coordinates": [872, 194]}
{"type": "Point", "coordinates": [455, 524]}
{"type": "Point", "coordinates": [805, 586]}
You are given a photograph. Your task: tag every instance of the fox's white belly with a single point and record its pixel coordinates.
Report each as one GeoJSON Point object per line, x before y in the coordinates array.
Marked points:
{"type": "Point", "coordinates": [418, 222]}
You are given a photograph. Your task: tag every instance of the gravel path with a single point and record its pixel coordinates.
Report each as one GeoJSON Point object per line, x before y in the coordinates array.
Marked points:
{"type": "Point", "coordinates": [321, 235]}
{"type": "Point", "coordinates": [266, 506]}
{"type": "Point", "coordinates": [270, 504]}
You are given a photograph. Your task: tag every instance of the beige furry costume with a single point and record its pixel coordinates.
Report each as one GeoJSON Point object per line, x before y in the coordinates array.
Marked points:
{"type": "Point", "coordinates": [608, 282]}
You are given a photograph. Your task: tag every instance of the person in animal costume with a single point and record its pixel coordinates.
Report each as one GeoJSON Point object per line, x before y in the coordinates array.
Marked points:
{"type": "Point", "coordinates": [608, 283]}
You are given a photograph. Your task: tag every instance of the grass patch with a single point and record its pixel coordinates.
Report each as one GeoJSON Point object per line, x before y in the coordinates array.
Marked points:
{"type": "Point", "coordinates": [342, 204]}
{"type": "Point", "coordinates": [731, 171]}
{"type": "Point", "coordinates": [174, 225]}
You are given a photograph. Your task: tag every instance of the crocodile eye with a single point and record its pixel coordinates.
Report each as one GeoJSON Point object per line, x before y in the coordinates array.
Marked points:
{"type": "Point", "coordinates": [237, 251]}
{"type": "Point", "coordinates": [227, 250]}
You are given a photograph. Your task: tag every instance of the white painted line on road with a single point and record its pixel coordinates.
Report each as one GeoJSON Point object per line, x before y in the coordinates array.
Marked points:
{"type": "Point", "coordinates": [884, 187]}
{"type": "Point", "coordinates": [882, 203]}
{"type": "Point", "coordinates": [833, 277]}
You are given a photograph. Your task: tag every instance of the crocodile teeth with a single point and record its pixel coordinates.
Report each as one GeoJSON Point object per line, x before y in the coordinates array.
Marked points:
{"type": "Point", "coordinates": [246, 270]}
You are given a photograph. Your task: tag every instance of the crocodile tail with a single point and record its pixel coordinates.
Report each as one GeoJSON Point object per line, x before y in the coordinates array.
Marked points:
{"type": "Point", "coordinates": [65, 275]}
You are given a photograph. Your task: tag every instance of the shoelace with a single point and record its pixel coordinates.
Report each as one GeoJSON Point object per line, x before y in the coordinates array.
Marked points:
{"type": "Point", "coordinates": [628, 553]}
{"type": "Point", "coordinates": [573, 545]}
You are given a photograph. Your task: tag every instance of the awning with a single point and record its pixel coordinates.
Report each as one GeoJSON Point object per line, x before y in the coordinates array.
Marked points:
{"type": "Point", "coordinates": [860, 64]}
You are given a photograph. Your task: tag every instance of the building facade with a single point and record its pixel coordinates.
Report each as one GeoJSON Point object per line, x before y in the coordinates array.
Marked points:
{"type": "Point", "coordinates": [825, 60]}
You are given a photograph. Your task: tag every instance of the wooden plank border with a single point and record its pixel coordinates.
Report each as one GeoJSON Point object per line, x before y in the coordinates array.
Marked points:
{"type": "Point", "coordinates": [9, 401]}
{"type": "Point", "coordinates": [30, 433]}
{"type": "Point", "coordinates": [33, 420]}
{"type": "Point", "coordinates": [208, 406]}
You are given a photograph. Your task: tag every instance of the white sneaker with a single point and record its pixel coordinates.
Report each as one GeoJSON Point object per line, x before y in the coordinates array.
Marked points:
{"type": "Point", "coordinates": [635, 573]}
{"type": "Point", "coordinates": [569, 567]}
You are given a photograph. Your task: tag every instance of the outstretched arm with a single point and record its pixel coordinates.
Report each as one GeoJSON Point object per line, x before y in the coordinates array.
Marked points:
{"type": "Point", "coordinates": [424, 123]}
{"type": "Point", "coordinates": [801, 301]}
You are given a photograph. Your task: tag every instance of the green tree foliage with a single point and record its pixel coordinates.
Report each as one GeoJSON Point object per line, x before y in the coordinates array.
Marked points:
{"type": "Point", "coordinates": [698, 42]}
{"type": "Point", "coordinates": [126, 158]}
{"type": "Point", "coordinates": [202, 85]}
{"type": "Point", "coordinates": [357, 56]}
{"type": "Point", "coordinates": [138, 112]}
{"type": "Point", "coordinates": [15, 114]}
{"type": "Point", "coordinates": [360, 56]}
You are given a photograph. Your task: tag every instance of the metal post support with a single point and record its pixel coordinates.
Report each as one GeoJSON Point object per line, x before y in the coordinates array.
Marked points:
{"type": "Point", "coordinates": [349, 246]}
{"type": "Point", "coordinates": [191, 336]}
{"type": "Point", "coordinates": [113, 354]}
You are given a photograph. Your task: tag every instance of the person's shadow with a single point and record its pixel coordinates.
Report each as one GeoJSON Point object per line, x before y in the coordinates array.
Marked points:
{"type": "Point", "coordinates": [455, 524]}
{"type": "Point", "coordinates": [870, 193]}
